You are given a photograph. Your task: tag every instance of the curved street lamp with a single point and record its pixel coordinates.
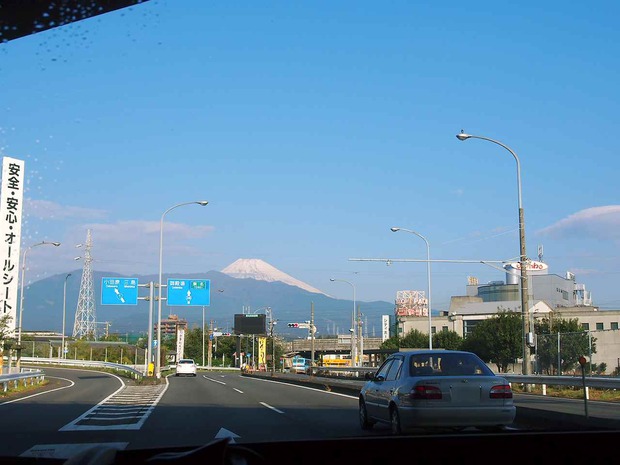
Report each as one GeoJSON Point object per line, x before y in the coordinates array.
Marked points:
{"type": "Point", "coordinates": [202, 203]}
{"type": "Point", "coordinates": [21, 297]}
{"type": "Point", "coordinates": [428, 276]}
{"type": "Point", "coordinates": [523, 256]}
{"type": "Point", "coordinates": [353, 330]}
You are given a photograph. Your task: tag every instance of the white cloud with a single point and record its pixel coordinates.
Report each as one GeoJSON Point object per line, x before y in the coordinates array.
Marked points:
{"type": "Point", "coordinates": [45, 210]}
{"type": "Point", "coordinates": [583, 271]}
{"type": "Point", "coordinates": [131, 247]}
{"type": "Point", "coordinates": [596, 222]}
{"type": "Point", "coordinates": [124, 232]}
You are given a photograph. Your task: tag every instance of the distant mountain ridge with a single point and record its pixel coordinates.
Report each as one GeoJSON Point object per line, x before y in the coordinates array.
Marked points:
{"type": "Point", "coordinates": [43, 302]}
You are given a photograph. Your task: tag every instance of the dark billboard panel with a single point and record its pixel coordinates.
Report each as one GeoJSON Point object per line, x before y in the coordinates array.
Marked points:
{"type": "Point", "coordinates": [251, 324]}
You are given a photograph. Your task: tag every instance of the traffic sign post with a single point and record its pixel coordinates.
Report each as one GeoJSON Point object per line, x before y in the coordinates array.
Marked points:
{"type": "Point", "coordinates": [189, 292]}
{"type": "Point", "coordinates": [119, 291]}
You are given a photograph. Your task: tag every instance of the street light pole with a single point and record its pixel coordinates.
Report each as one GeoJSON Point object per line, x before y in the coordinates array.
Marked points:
{"type": "Point", "coordinates": [522, 257]}
{"type": "Point", "coordinates": [428, 277]}
{"type": "Point", "coordinates": [21, 299]}
{"type": "Point", "coordinates": [353, 325]}
{"type": "Point", "coordinates": [64, 313]}
{"type": "Point", "coordinates": [161, 243]}
{"type": "Point", "coordinates": [203, 336]}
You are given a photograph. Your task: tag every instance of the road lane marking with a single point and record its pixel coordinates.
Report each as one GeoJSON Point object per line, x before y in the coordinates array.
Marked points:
{"type": "Point", "coordinates": [214, 380]}
{"type": "Point", "coordinates": [270, 407]}
{"type": "Point", "coordinates": [238, 390]}
{"type": "Point", "coordinates": [304, 387]}
{"type": "Point", "coordinates": [40, 393]}
{"type": "Point", "coordinates": [128, 408]}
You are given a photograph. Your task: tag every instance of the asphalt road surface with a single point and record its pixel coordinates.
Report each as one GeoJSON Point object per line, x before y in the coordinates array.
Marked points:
{"type": "Point", "coordinates": [83, 407]}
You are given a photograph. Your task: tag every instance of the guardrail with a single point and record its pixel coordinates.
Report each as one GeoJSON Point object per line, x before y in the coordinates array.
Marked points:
{"type": "Point", "coordinates": [597, 382]}
{"type": "Point", "coordinates": [83, 363]}
{"type": "Point", "coordinates": [341, 372]}
{"type": "Point", "coordinates": [34, 376]}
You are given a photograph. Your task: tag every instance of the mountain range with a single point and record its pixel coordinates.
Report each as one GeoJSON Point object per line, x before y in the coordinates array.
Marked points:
{"type": "Point", "coordinates": [245, 286]}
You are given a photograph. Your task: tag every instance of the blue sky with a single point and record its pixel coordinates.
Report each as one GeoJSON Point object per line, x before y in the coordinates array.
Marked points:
{"type": "Point", "coordinates": [312, 128]}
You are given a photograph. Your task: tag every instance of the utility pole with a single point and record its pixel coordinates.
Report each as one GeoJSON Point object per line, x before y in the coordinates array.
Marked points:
{"type": "Point", "coordinates": [360, 337]}
{"type": "Point", "coordinates": [273, 342]}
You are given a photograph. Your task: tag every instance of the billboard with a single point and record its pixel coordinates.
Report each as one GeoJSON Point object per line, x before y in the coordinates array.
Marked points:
{"type": "Point", "coordinates": [255, 323]}
{"type": "Point", "coordinates": [532, 265]}
{"type": "Point", "coordinates": [262, 352]}
{"type": "Point", "coordinates": [411, 303]}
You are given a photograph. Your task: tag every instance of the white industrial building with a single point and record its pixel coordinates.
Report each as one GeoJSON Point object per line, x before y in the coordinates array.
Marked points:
{"type": "Point", "coordinates": [550, 295]}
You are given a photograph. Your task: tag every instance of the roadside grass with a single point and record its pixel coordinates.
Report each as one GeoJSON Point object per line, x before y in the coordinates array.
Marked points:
{"type": "Point", "coordinates": [569, 392]}
{"type": "Point", "coordinates": [13, 391]}
{"type": "Point", "coordinates": [121, 373]}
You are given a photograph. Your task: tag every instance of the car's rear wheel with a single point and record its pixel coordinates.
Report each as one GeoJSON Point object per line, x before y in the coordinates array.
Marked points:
{"type": "Point", "coordinates": [395, 421]}
{"type": "Point", "coordinates": [365, 424]}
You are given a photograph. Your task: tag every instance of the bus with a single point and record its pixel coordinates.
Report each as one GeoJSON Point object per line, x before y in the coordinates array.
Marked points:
{"type": "Point", "coordinates": [300, 364]}
{"type": "Point", "coordinates": [336, 362]}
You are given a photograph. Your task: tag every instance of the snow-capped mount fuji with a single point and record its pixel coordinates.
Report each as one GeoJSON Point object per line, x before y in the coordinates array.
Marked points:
{"type": "Point", "coordinates": [260, 270]}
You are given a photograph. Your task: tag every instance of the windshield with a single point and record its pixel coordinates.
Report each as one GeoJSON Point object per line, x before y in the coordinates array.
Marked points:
{"type": "Point", "coordinates": [285, 194]}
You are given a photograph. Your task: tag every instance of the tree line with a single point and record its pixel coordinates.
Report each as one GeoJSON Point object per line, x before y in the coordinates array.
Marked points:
{"type": "Point", "coordinates": [499, 340]}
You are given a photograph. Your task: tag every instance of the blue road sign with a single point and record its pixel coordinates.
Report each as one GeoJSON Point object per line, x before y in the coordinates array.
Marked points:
{"type": "Point", "coordinates": [119, 291]}
{"type": "Point", "coordinates": [189, 292]}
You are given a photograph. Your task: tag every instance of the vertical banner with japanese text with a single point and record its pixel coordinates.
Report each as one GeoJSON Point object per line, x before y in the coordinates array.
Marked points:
{"type": "Point", "coordinates": [180, 342]}
{"type": "Point", "coordinates": [385, 327]}
{"type": "Point", "coordinates": [262, 351]}
{"type": "Point", "coordinates": [11, 203]}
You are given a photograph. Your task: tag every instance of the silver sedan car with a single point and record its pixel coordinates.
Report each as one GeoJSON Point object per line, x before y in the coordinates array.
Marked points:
{"type": "Point", "coordinates": [436, 389]}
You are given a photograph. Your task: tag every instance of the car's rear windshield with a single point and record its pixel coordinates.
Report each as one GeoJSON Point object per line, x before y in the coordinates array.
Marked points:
{"type": "Point", "coordinates": [448, 365]}
{"type": "Point", "coordinates": [186, 361]}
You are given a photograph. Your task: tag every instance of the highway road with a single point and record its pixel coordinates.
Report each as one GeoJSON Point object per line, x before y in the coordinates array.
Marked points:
{"type": "Point", "coordinates": [84, 407]}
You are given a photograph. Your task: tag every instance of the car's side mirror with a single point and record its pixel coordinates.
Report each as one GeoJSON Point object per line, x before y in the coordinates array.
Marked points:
{"type": "Point", "coordinates": [369, 375]}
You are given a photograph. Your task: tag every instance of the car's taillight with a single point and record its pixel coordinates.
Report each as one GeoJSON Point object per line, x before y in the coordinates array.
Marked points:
{"type": "Point", "coordinates": [502, 391]}
{"type": "Point", "coordinates": [425, 392]}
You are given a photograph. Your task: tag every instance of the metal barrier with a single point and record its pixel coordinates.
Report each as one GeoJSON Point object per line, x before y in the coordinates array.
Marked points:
{"type": "Point", "coordinates": [84, 363]}
{"type": "Point", "coordinates": [35, 375]}
{"type": "Point", "coordinates": [597, 382]}
{"type": "Point", "coordinates": [341, 372]}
